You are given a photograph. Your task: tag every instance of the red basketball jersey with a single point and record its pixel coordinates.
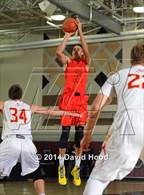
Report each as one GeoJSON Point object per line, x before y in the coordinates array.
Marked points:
{"type": "Point", "coordinates": [76, 77]}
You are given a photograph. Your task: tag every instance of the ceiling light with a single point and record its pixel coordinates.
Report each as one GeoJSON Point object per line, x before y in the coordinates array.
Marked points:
{"type": "Point", "coordinates": [58, 17]}
{"type": "Point", "coordinates": [138, 9]}
{"type": "Point", "coordinates": [47, 7]}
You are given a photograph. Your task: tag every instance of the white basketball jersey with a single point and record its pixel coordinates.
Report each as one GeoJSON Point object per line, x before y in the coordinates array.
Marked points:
{"type": "Point", "coordinates": [16, 118]}
{"type": "Point", "coordinates": [128, 87]}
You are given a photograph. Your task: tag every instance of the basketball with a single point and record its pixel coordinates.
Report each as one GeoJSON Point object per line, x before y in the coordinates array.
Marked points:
{"type": "Point", "coordinates": [69, 25]}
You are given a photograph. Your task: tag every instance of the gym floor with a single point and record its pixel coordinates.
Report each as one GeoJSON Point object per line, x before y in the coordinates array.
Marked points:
{"type": "Point", "coordinates": [135, 187]}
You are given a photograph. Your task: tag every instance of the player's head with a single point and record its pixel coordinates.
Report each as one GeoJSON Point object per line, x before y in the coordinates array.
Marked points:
{"type": "Point", "coordinates": [15, 92]}
{"type": "Point", "coordinates": [77, 52]}
{"type": "Point", "coordinates": [137, 54]}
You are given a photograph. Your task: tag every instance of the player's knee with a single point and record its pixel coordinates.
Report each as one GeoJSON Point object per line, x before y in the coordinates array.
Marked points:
{"type": "Point", "coordinates": [64, 137]}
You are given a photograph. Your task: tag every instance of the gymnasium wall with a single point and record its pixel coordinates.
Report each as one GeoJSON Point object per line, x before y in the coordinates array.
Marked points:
{"type": "Point", "coordinates": [41, 74]}
{"type": "Point", "coordinates": [16, 67]}
{"type": "Point", "coordinates": [127, 45]}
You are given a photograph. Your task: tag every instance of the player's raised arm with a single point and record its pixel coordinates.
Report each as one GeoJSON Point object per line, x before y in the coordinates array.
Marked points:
{"type": "Point", "coordinates": [53, 112]}
{"type": "Point", "coordinates": [1, 105]}
{"type": "Point", "coordinates": [83, 42]}
{"type": "Point", "coordinates": [60, 49]}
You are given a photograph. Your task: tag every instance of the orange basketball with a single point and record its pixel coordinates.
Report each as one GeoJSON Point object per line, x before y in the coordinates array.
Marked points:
{"type": "Point", "coordinates": [69, 25]}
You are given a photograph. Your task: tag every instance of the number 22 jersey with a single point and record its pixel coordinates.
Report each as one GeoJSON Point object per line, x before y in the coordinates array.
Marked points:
{"type": "Point", "coordinates": [128, 86]}
{"type": "Point", "coordinates": [16, 118]}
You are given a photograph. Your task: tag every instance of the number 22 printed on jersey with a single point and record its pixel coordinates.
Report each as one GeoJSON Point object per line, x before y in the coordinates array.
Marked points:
{"type": "Point", "coordinates": [135, 81]}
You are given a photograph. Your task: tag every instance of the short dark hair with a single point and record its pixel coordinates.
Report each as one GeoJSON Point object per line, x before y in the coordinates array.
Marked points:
{"type": "Point", "coordinates": [77, 45]}
{"type": "Point", "coordinates": [137, 54]}
{"type": "Point", "coordinates": [15, 92]}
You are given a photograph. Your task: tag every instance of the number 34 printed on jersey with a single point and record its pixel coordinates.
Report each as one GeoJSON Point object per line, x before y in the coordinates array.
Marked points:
{"type": "Point", "coordinates": [18, 115]}
{"type": "Point", "coordinates": [133, 84]}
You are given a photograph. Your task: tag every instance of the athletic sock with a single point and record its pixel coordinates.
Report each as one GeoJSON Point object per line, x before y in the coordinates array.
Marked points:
{"type": "Point", "coordinates": [61, 161]}
{"type": "Point", "coordinates": [77, 161]}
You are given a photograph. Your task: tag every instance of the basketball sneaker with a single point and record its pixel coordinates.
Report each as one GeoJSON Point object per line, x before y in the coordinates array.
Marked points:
{"type": "Point", "coordinates": [76, 176]}
{"type": "Point", "coordinates": [61, 176]}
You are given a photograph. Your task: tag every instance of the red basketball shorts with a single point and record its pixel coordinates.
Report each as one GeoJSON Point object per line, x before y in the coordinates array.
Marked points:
{"type": "Point", "coordinates": [73, 103]}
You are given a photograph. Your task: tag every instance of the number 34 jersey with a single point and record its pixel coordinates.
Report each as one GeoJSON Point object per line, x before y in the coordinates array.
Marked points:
{"type": "Point", "coordinates": [16, 118]}
{"type": "Point", "coordinates": [128, 86]}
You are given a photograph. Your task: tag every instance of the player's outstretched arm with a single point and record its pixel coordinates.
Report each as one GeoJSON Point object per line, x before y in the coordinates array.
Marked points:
{"type": "Point", "coordinates": [60, 49]}
{"type": "Point", "coordinates": [83, 42]}
{"type": "Point", "coordinates": [97, 106]}
{"type": "Point", "coordinates": [1, 105]}
{"type": "Point", "coordinates": [53, 112]}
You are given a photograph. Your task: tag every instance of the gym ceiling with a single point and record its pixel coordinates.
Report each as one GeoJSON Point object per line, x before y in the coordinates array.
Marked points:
{"type": "Point", "coordinates": [21, 18]}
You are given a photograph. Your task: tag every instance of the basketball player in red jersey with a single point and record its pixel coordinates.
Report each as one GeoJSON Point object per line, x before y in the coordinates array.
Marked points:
{"type": "Point", "coordinates": [73, 98]}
